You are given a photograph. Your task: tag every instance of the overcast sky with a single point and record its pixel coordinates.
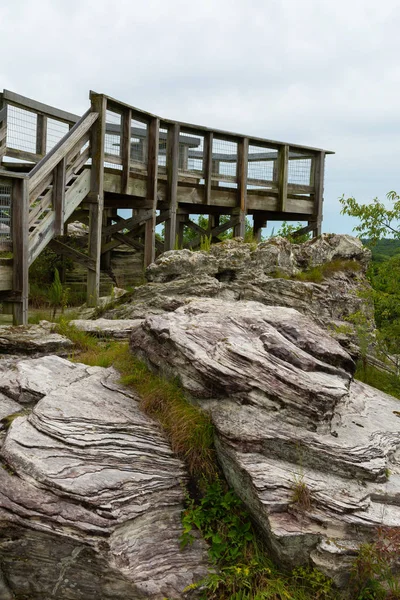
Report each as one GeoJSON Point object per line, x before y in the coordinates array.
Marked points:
{"type": "Point", "coordinates": [315, 72]}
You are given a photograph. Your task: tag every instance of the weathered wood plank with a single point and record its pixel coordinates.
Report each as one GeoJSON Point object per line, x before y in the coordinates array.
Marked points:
{"type": "Point", "coordinates": [283, 165]}
{"type": "Point", "coordinates": [41, 134]}
{"type": "Point", "coordinates": [233, 221]}
{"type": "Point", "coordinates": [152, 170]}
{"type": "Point", "coordinates": [39, 107]}
{"type": "Point", "coordinates": [319, 174]}
{"type": "Point", "coordinates": [76, 193]}
{"type": "Point", "coordinates": [127, 223]}
{"type": "Point", "coordinates": [241, 175]}
{"type": "Point", "coordinates": [61, 149]}
{"type": "Point", "coordinates": [59, 196]}
{"type": "Point", "coordinates": [19, 219]}
{"type": "Point", "coordinates": [99, 107]}
{"type": "Point", "coordinates": [79, 257]}
{"type": "Point", "coordinates": [207, 166]}
{"type": "Point", "coordinates": [172, 186]}
{"type": "Point", "coordinates": [125, 149]}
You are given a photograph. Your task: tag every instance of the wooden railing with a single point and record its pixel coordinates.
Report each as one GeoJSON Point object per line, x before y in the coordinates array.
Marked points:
{"type": "Point", "coordinates": [181, 163]}
{"type": "Point", "coordinates": [42, 201]}
{"type": "Point", "coordinates": [162, 169]}
{"type": "Point", "coordinates": [30, 129]}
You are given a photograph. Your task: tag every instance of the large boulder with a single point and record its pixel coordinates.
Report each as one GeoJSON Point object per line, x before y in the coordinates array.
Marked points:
{"type": "Point", "coordinates": [314, 454]}
{"type": "Point", "coordinates": [270, 273]}
{"type": "Point", "coordinates": [90, 492]}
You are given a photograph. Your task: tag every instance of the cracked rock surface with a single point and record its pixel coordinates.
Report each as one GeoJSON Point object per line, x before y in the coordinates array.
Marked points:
{"type": "Point", "coordinates": [288, 414]}
{"type": "Point", "coordinates": [90, 492]}
{"type": "Point", "coordinates": [266, 273]}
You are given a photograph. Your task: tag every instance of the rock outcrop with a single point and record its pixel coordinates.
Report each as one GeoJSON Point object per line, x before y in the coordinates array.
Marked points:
{"type": "Point", "coordinates": [33, 340]}
{"type": "Point", "coordinates": [90, 492]}
{"type": "Point", "coordinates": [314, 454]}
{"type": "Point", "coordinates": [271, 273]}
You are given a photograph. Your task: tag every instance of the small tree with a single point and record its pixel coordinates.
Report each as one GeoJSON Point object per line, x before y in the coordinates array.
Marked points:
{"type": "Point", "coordinates": [376, 221]}
{"type": "Point", "coordinates": [58, 294]}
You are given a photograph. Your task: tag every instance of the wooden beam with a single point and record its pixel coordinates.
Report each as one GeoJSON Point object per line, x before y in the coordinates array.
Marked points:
{"type": "Point", "coordinates": [319, 174]}
{"type": "Point", "coordinates": [172, 186]}
{"type": "Point", "coordinates": [259, 221]}
{"type": "Point", "coordinates": [152, 175]}
{"type": "Point", "coordinates": [99, 106]}
{"type": "Point", "coordinates": [64, 250]}
{"type": "Point", "coordinates": [128, 224]}
{"type": "Point", "coordinates": [59, 196]}
{"type": "Point", "coordinates": [233, 221]}
{"type": "Point", "coordinates": [125, 149]}
{"type": "Point", "coordinates": [41, 134]}
{"type": "Point", "coordinates": [19, 220]}
{"type": "Point", "coordinates": [241, 175]}
{"type": "Point", "coordinates": [39, 107]}
{"type": "Point", "coordinates": [283, 165]}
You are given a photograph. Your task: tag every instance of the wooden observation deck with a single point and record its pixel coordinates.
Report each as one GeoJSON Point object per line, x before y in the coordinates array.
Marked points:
{"type": "Point", "coordinates": [57, 167]}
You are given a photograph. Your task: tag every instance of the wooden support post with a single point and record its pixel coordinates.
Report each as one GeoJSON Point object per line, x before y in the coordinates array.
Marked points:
{"type": "Point", "coordinates": [319, 174]}
{"type": "Point", "coordinates": [181, 222]}
{"type": "Point", "coordinates": [99, 105]}
{"type": "Point", "coordinates": [283, 165]}
{"type": "Point", "coordinates": [41, 135]}
{"type": "Point", "coordinates": [258, 223]}
{"type": "Point", "coordinates": [59, 196]}
{"type": "Point", "coordinates": [105, 262]}
{"type": "Point", "coordinates": [241, 174]}
{"type": "Point", "coordinates": [152, 174]}
{"type": "Point", "coordinates": [208, 164]}
{"type": "Point", "coordinates": [125, 149]}
{"type": "Point", "coordinates": [172, 186]}
{"type": "Point", "coordinates": [20, 228]}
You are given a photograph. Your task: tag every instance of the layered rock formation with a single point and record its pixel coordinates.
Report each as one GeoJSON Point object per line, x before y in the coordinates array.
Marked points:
{"type": "Point", "coordinates": [271, 273]}
{"type": "Point", "coordinates": [314, 454]}
{"type": "Point", "coordinates": [90, 493]}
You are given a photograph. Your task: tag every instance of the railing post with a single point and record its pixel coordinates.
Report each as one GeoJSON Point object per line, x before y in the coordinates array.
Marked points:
{"type": "Point", "coordinates": [319, 174]}
{"type": "Point", "coordinates": [59, 196]}
{"type": "Point", "coordinates": [125, 149]}
{"type": "Point", "coordinates": [96, 196]}
{"type": "Point", "coordinates": [283, 166]}
{"type": "Point", "coordinates": [19, 225]}
{"type": "Point", "coordinates": [152, 174]}
{"type": "Point", "coordinates": [241, 175]}
{"type": "Point", "coordinates": [3, 127]}
{"type": "Point", "coordinates": [172, 185]}
{"type": "Point", "coordinates": [41, 134]}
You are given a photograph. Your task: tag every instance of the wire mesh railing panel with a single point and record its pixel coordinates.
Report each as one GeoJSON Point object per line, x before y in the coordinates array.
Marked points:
{"type": "Point", "coordinates": [162, 150]}
{"type": "Point", "coordinates": [5, 211]}
{"type": "Point", "coordinates": [112, 139]}
{"type": "Point", "coordinates": [224, 162]}
{"type": "Point", "coordinates": [261, 167]}
{"type": "Point", "coordinates": [138, 141]}
{"type": "Point", "coordinates": [191, 154]}
{"type": "Point", "coordinates": [21, 129]}
{"type": "Point", "coordinates": [55, 132]}
{"type": "Point", "coordinates": [299, 169]}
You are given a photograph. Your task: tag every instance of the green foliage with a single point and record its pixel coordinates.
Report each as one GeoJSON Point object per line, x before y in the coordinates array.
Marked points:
{"type": "Point", "coordinates": [288, 231]}
{"type": "Point", "coordinates": [58, 294]}
{"type": "Point", "coordinates": [381, 380]}
{"type": "Point", "coordinates": [376, 221]}
{"type": "Point", "coordinates": [372, 575]}
{"type": "Point", "coordinates": [242, 569]}
{"type": "Point", "coordinates": [205, 243]}
{"type": "Point", "coordinates": [301, 494]}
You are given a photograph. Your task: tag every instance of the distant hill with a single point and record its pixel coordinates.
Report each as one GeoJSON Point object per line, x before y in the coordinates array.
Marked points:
{"type": "Point", "coordinates": [383, 249]}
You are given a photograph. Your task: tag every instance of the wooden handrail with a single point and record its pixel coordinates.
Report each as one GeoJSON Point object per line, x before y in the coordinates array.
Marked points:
{"type": "Point", "coordinates": [60, 150]}
{"type": "Point", "coordinates": [38, 107]}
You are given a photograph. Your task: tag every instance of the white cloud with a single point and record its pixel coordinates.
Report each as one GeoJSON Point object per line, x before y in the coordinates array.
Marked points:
{"type": "Point", "coordinates": [314, 72]}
